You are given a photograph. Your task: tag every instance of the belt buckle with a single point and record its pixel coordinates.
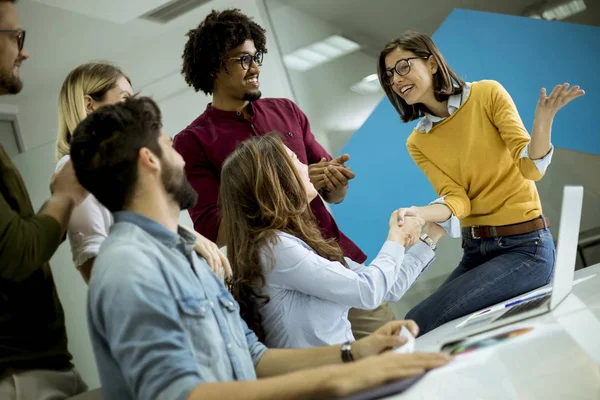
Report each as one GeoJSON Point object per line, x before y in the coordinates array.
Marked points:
{"type": "Point", "coordinates": [473, 235]}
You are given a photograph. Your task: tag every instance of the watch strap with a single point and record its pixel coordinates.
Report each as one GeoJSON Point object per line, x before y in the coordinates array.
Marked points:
{"type": "Point", "coordinates": [346, 350]}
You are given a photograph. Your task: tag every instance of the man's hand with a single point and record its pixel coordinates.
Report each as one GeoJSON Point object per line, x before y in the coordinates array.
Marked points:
{"type": "Point", "coordinates": [337, 177]}
{"type": "Point", "coordinates": [375, 371]}
{"type": "Point", "coordinates": [383, 339]}
{"type": "Point", "coordinates": [65, 184]}
{"type": "Point", "coordinates": [216, 260]}
{"type": "Point", "coordinates": [330, 175]}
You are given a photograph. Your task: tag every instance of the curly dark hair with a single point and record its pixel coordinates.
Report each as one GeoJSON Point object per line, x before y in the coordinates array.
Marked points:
{"type": "Point", "coordinates": [207, 47]}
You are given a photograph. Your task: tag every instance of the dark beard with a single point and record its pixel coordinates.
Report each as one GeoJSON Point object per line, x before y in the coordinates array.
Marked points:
{"type": "Point", "coordinates": [252, 96]}
{"type": "Point", "coordinates": [177, 185]}
{"type": "Point", "coordinates": [10, 84]}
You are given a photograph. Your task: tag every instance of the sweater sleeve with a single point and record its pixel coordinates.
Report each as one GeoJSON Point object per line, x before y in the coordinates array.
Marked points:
{"type": "Point", "coordinates": [26, 243]}
{"type": "Point", "coordinates": [455, 196]}
{"type": "Point", "coordinates": [506, 118]}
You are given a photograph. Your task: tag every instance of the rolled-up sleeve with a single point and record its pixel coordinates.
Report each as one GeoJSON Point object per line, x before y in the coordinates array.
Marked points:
{"type": "Point", "coordinates": [541, 164]}
{"type": "Point", "coordinates": [154, 358]}
{"type": "Point", "coordinates": [452, 224]}
{"type": "Point", "coordinates": [257, 349]}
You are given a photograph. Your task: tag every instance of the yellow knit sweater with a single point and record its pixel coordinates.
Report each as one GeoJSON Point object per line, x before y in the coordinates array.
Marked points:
{"type": "Point", "coordinates": [474, 159]}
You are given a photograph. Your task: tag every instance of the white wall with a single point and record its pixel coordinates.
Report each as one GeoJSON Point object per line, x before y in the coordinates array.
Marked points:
{"type": "Point", "coordinates": [334, 111]}
{"type": "Point", "coordinates": [155, 67]}
{"type": "Point", "coordinates": [153, 63]}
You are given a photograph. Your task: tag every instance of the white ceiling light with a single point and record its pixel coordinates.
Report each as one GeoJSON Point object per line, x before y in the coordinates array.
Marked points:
{"type": "Point", "coordinates": [319, 53]}
{"type": "Point", "coordinates": [558, 11]}
{"type": "Point", "coordinates": [367, 85]}
{"type": "Point", "coordinates": [117, 11]}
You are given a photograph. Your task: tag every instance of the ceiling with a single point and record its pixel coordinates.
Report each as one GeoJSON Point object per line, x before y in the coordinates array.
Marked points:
{"type": "Point", "coordinates": [111, 10]}
{"type": "Point", "coordinates": [377, 21]}
{"type": "Point", "coordinates": [62, 34]}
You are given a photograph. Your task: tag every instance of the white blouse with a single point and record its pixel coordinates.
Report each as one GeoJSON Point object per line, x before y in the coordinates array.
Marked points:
{"type": "Point", "coordinates": [310, 296]}
{"type": "Point", "coordinates": [88, 227]}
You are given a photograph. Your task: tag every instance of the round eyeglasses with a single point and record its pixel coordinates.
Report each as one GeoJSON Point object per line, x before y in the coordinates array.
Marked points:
{"type": "Point", "coordinates": [246, 59]}
{"type": "Point", "coordinates": [20, 36]}
{"type": "Point", "coordinates": [402, 68]}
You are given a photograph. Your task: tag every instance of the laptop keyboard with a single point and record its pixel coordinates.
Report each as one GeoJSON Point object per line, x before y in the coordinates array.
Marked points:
{"type": "Point", "coordinates": [524, 307]}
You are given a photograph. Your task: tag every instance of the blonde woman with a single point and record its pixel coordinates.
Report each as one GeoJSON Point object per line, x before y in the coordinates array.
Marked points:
{"type": "Point", "coordinates": [87, 88]}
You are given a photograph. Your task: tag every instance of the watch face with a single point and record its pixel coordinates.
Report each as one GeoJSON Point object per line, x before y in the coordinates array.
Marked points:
{"type": "Point", "coordinates": [428, 241]}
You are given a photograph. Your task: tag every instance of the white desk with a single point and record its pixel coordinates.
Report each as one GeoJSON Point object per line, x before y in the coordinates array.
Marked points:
{"type": "Point", "coordinates": [559, 359]}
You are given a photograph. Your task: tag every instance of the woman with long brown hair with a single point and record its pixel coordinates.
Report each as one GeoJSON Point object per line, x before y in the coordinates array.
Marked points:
{"type": "Point", "coordinates": [294, 287]}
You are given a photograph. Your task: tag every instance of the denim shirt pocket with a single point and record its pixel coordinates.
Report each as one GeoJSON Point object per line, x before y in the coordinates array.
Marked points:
{"type": "Point", "coordinates": [200, 325]}
{"type": "Point", "coordinates": [231, 311]}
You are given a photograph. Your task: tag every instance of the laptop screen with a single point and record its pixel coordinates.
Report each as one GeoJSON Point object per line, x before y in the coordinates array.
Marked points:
{"type": "Point", "coordinates": [566, 249]}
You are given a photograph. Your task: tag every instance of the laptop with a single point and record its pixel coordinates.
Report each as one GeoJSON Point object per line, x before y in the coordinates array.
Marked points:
{"type": "Point", "coordinates": [564, 269]}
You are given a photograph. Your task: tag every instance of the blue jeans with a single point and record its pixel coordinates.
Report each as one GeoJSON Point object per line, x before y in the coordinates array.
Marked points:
{"type": "Point", "coordinates": [491, 271]}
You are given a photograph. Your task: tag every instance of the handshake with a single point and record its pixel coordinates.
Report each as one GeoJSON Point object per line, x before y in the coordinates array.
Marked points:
{"type": "Point", "coordinates": [406, 227]}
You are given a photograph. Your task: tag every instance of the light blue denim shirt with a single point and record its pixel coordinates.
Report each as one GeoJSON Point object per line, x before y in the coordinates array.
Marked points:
{"type": "Point", "coordinates": [426, 124]}
{"type": "Point", "coordinates": [160, 320]}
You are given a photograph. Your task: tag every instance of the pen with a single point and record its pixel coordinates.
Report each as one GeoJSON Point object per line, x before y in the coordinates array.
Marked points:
{"type": "Point", "coordinates": [513, 303]}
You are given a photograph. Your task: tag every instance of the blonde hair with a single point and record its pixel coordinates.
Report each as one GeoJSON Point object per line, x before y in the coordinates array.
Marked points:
{"type": "Point", "coordinates": [93, 79]}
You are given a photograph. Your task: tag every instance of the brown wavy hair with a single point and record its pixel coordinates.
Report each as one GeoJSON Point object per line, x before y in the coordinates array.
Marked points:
{"type": "Point", "coordinates": [262, 193]}
{"type": "Point", "coordinates": [445, 81]}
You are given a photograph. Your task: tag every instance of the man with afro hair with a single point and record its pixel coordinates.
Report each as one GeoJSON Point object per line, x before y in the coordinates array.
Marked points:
{"type": "Point", "coordinates": [222, 58]}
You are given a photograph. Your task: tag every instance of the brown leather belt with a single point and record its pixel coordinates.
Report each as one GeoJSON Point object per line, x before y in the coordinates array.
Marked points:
{"type": "Point", "coordinates": [484, 232]}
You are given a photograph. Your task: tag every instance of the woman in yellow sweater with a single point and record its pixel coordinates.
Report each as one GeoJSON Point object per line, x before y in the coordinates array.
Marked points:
{"type": "Point", "coordinates": [473, 147]}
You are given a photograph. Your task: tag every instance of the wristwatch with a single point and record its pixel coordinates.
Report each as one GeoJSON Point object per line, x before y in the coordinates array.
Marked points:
{"type": "Point", "coordinates": [347, 352]}
{"type": "Point", "coordinates": [428, 241]}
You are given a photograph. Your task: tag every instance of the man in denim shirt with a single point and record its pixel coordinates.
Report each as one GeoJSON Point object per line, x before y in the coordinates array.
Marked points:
{"type": "Point", "coordinates": [162, 324]}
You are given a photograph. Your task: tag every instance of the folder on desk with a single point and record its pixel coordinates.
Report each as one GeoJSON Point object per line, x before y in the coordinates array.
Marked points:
{"type": "Point", "coordinates": [386, 390]}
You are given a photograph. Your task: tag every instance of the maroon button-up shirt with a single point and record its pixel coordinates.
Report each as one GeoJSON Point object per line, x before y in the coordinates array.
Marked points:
{"type": "Point", "coordinates": [206, 143]}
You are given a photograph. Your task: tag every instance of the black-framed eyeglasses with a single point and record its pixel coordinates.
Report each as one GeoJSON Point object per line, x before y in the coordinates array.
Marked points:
{"type": "Point", "coordinates": [246, 59]}
{"type": "Point", "coordinates": [402, 68]}
{"type": "Point", "coordinates": [20, 36]}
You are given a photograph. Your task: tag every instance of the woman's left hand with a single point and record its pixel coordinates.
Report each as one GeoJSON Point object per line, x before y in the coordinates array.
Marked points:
{"type": "Point", "coordinates": [560, 97]}
{"type": "Point", "coordinates": [216, 260]}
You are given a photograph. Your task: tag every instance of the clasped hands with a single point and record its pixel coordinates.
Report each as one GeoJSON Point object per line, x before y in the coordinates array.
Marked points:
{"type": "Point", "coordinates": [407, 224]}
{"type": "Point", "coordinates": [330, 175]}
